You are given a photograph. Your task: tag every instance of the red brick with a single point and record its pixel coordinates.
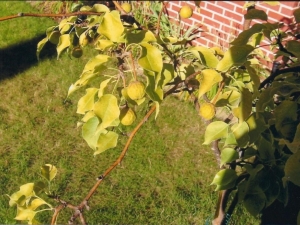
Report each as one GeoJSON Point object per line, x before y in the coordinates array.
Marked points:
{"type": "Point", "coordinates": [286, 11]}
{"type": "Point", "coordinates": [210, 22]}
{"type": "Point", "coordinates": [225, 5]}
{"type": "Point", "coordinates": [235, 16]}
{"type": "Point", "coordinates": [267, 6]}
{"type": "Point", "coordinates": [214, 8]}
{"type": "Point", "coordinates": [239, 3]}
{"type": "Point", "coordinates": [291, 4]}
{"type": "Point", "coordinates": [176, 8]}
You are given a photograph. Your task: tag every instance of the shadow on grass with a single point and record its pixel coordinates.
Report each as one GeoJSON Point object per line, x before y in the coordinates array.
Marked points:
{"type": "Point", "coordinates": [20, 57]}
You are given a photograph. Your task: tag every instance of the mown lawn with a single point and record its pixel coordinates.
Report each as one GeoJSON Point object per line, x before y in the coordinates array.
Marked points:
{"type": "Point", "coordinates": [165, 176]}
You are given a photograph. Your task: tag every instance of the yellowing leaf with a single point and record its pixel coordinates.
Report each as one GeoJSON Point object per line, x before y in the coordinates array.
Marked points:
{"type": "Point", "coordinates": [20, 196]}
{"type": "Point", "coordinates": [64, 42]}
{"type": "Point", "coordinates": [107, 110]}
{"type": "Point", "coordinates": [272, 3]}
{"type": "Point", "coordinates": [231, 98]}
{"type": "Point", "coordinates": [235, 56]}
{"type": "Point", "coordinates": [25, 214]}
{"type": "Point", "coordinates": [111, 26]}
{"type": "Point", "coordinates": [100, 8]}
{"type": "Point", "coordinates": [206, 56]}
{"type": "Point", "coordinates": [40, 46]}
{"type": "Point", "coordinates": [48, 171]}
{"type": "Point", "coordinates": [214, 131]}
{"type": "Point", "coordinates": [86, 103]}
{"type": "Point", "coordinates": [102, 87]}
{"type": "Point", "coordinates": [106, 141]}
{"type": "Point", "coordinates": [208, 78]}
{"type": "Point", "coordinates": [151, 58]}
{"type": "Point", "coordinates": [139, 36]}
{"type": "Point", "coordinates": [245, 107]}
{"type": "Point", "coordinates": [241, 131]}
{"type": "Point", "coordinates": [35, 203]}
{"type": "Point", "coordinates": [256, 14]}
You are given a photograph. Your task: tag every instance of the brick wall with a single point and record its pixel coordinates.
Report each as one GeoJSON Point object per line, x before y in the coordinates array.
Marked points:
{"type": "Point", "coordinates": [222, 21]}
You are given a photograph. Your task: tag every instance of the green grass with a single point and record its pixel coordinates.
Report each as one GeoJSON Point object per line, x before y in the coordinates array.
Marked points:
{"type": "Point", "coordinates": [164, 178]}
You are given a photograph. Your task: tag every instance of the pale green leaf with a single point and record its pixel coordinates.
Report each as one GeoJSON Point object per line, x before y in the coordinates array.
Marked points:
{"type": "Point", "coordinates": [107, 109]}
{"type": "Point", "coordinates": [153, 91]}
{"type": "Point", "coordinates": [243, 37]}
{"type": "Point", "coordinates": [167, 74]}
{"type": "Point", "coordinates": [292, 168]}
{"type": "Point", "coordinates": [241, 133]}
{"type": "Point", "coordinates": [103, 44]}
{"type": "Point", "coordinates": [151, 58]}
{"type": "Point", "coordinates": [48, 171]}
{"type": "Point", "coordinates": [235, 56]}
{"type": "Point", "coordinates": [256, 14]}
{"type": "Point", "coordinates": [214, 131]}
{"type": "Point", "coordinates": [295, 145]}
{"type": "Point", "coordinates": [86, 103]}
{"type": "Point", "coordinates": [88, 116]}
{"type": "Point", "coordinates": [228, 155]}
{"type": "Point", "coordinates": [40, 46]}
{"type": "Point", "coordinates": [64, 42]}
{"type": "Point", "coordinates": [285, 113]}
{"type": "Point", "coordinates": [205, 55]}
{"type": "Point", "coordinates": [225, 179]}
{"type": "Point", "coordinates": [296, 14]}
{"type": "Point", "coordinates": [208, 78]}
{"type": "Point", "coordinates": [106, 141]}
{"type": "Point", "coordinates": [245, 106]}
{"type": "Point", "coordinates": [111, 26]}
{"type": "Point", "coordinates": [89, 133]}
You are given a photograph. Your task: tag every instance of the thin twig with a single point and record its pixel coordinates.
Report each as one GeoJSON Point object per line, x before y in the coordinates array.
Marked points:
{"type": "Point", "coordinates": [159, 17]}
{"type": "Point", "coordinates": [48, 15]}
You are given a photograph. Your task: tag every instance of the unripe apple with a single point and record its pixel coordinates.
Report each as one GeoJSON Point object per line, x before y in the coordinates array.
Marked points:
{"type": "Point", "coordinates": [127, 116]}
{"type": "Point", "coordinates": [136, 90]}
{"type": "Point", "coordinates": [77, 52]}
{"type": "Point", "coordinates": [207, 110]}
{"type": "Point", "coordinates": [127, 7]}
{"type": "Point", "coordinates": [186, 12]}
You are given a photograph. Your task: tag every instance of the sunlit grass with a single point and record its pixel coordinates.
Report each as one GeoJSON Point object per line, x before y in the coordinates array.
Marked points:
{"type": "Point", "coordinates": [164, 178]}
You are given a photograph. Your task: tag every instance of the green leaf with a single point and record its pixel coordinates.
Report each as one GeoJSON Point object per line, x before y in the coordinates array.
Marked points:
{"type": "Point", "coordinates": [235, 56]}
{"type": "Point", "coordinates": [245, 106]}
{"type": "Point", "coordinates": [256, 14]}
{"type": "Point", "coordinates": [244, 36]}
{"type": "Point", "coordinates": [256, 127]}
{"type": "Point", "coordinates": [167, 74]}
{"type": "Point", "coordinates": [153, 91]}
{"type": "Point", "coordinates": [111, 26]}
{"type": "Point", "coordinates": [215, 131]}
{"type": "Point", "coordinates": [295, 145]}
{"type": "Point", "coordinates": [86, 103]}
{"type": "Point", "coordinates": [224, 179]}
{"type": "Point", "coordinates": [255, 203]}
{"type": "Point", "coordinates": [40, 46]}
{"type": "Point", "coordinates": [106, 141]}
{"type": "Point", "coordinates": [39, 187]}
{"type": "Point", "coordinates": [293, 46]}
{"type": "Point", "coordinates": [296, 14]}
{"type": "Point", "coordinates": [89, 132]}
{"type": "Point", "coordinates": [64, 42]}
{"type": "Point", "coordinates": [49, 172]}
{"type": "Point", "coordinates": [208, 78]}
{"type": "Point", "coordinates": [266, 149]}
{"type": "Point", "coordinates": [228, 155]}
{"type": "Point", "coordinates": [240, 131]}
{"type": "Point", "coordinates": [107, 110]}
{"type": "Point", "coordinates": [292, 168]}
{"type": "Point", "coordinates": [205, 55]}
{"type": "Point", "coordinates": [151, 58]}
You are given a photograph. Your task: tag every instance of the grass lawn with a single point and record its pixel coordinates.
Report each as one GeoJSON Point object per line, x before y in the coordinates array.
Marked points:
{"type": "Point", "coordinates": [164, 178]}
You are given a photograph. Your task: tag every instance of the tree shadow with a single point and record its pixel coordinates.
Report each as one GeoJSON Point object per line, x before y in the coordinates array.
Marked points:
{"type": "Point", "coordinates": [20, 57]}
